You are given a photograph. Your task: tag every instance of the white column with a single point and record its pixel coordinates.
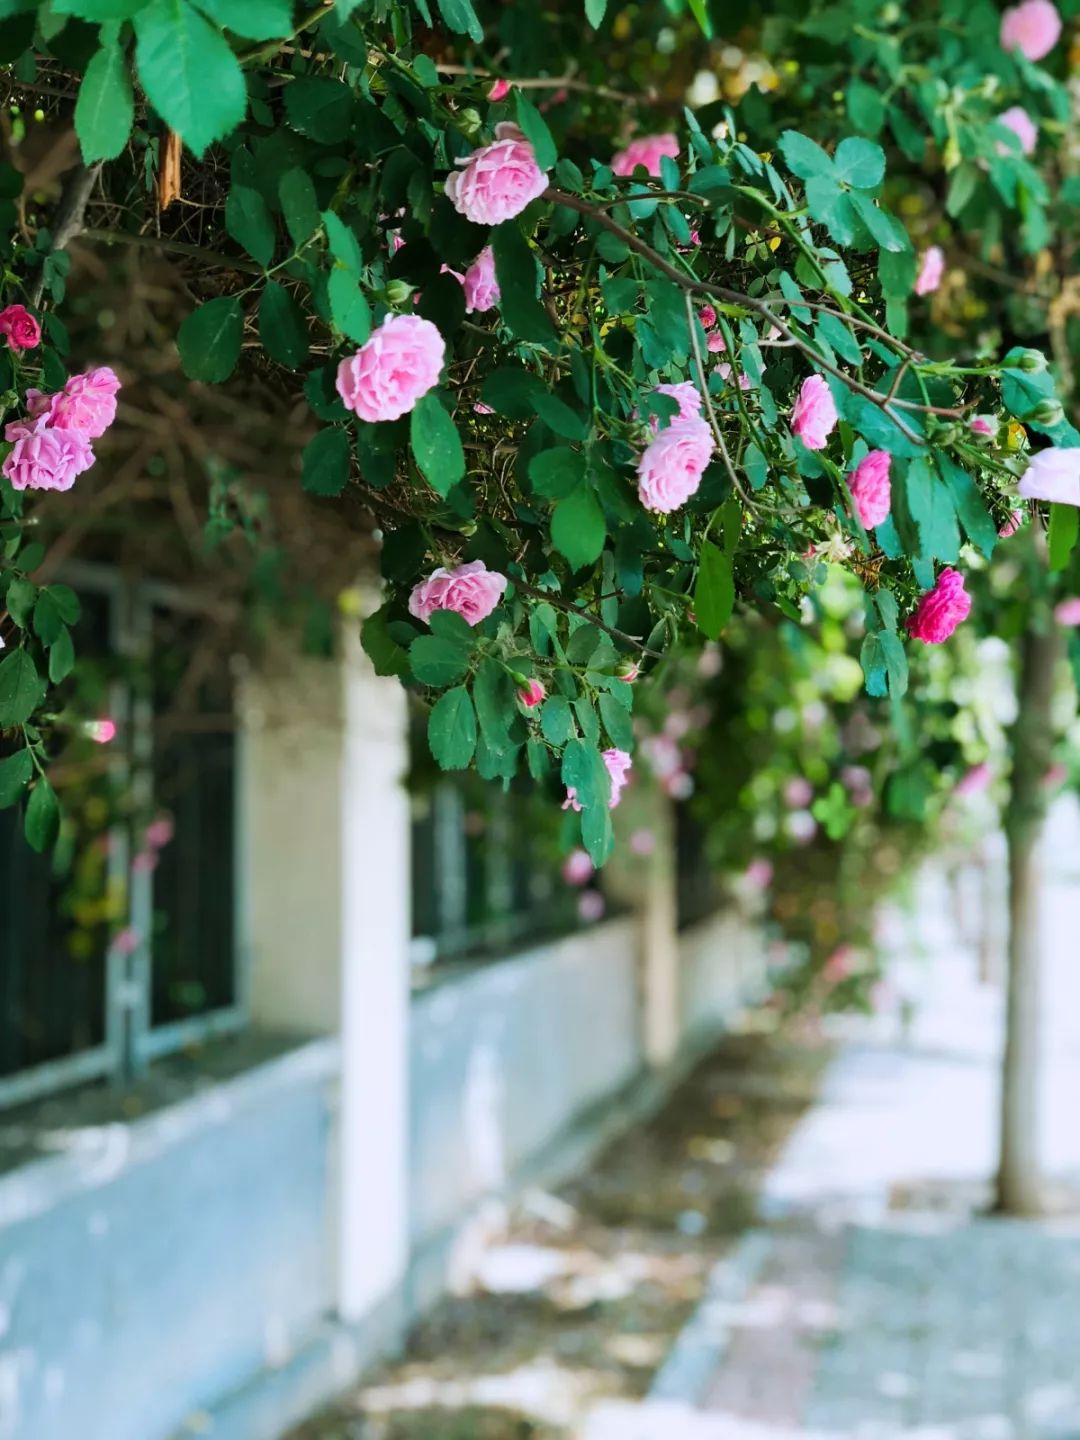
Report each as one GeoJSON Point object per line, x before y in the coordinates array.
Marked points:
{"type": "Point", "coordinates": [375, 934]}
{"type": "Point", "coordinates": [660, 941]}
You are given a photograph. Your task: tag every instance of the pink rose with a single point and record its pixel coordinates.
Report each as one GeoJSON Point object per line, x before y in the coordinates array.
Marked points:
{"type": "Point", "coordinates": [472, 590]}
{"type": "Point", "coordinates": [590, 905]}
{"type": "Point", "coordinates": [798, 792]}
{"type": "Point", "coordinates": [628, 671]}
{"type": "Point", "coordinates": [672, 464]}
{"type": "Point", "coordinates": [496, 182]}
{"type": "Point", "coordinates": [617, 763]}
{"type": "Point", "coordinates": [127, 941]}
{"type": "Point", "coordinates": [398, 364]}
{"type": "Point", "coordinates": [480, 408]}
{"type": "Point", "coordinates": [145, 862]}
{"type": "Point", "coordinates": [499, 90]}
{"type": "Point", "coordinates": [1068, 612]}
{"type": "Point", "coordinates": [725, 372]}
{"type": "Point", "coordinates": [44, 458]}
{"type": "Point", "coordinates": [688, 398]}
{"type": "Point", "coordinates": [160, 832]}
{"type": "Point", "coordinates": [940, 610]}
{"type": "Point", "coordinates": [642, 842]}
{"type": "Point", "coordinates": [974, 781]}
{"type": "Point", "coordinates": [758, 874]}
{"type": "Point", "coordinates": [931, 270]}
{"type": "Point", "coordinates": [983, 425]}
{"type": "Point", "coordinates": [707, 316]}
{"type": "Point", "coordinates": [871, 489]}
{"type": "Point", "coordinates": [647, 152]}
{"type": "Point", "coordinates": [1033, 28]}
{"type": "Point", "coordinates": [1055, 776]}
{"type": "Point", "coordinates": [715, 343]}
{"type": "Point", "coordinates": [577, 868]}
{"type": "Point", "coordinates": [814, 413]}
{"type": "Point", "coordinates": [1012, 525]}
{"type": "Point", "coordinates": [532, 694]}
{"type": "Point", "coordinates": [87, 403]}
{"type": "Point", "coordinates": [839, 965]}
{"type": "Point", "coordinates": [1053, 475]}
{"type": "Point", "coordinates": [1022, 126]}
{"type": "Point", "coordinates": [19, 328]}
{"type": "Point", "coordinates": [481, 286]}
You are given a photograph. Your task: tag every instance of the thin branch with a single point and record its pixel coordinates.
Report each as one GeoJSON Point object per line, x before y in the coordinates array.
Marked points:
{"type": "Point", "coordinates": [561, 604]}
{"type": "Point", "coordinates": [703, 385]}
{"type": "Point", "coordinates": [69, 218]}
{"type": "Point", "coordinates": [173, 247]}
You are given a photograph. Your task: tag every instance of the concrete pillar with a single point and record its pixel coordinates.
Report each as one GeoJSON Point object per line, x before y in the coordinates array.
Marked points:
{"type": "Point", "coordinates": [660, 941]}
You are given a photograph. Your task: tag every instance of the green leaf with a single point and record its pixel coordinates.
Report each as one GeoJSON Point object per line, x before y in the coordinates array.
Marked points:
{"type": "Point", "coordinates": [299, 205]}
{"type": "Point", "coordinates": [326, 462]}
{"type": "Point", "coordinates": [254, 19]}
{"type": "Point", "coordinates": [249, 221]}
{"type": "Point", "coordinates": [594, 12]}
{"type": "Point", "coordinates": [714, 593]}
{"type": "Point", "coordinates": [189, 72]}
{"type": "Point", "coordinates": [555, 474]}
{"type": "Point", "coordinates": [835, 333]}
{"type": "Point", "coordinates": [105, 108]}
{"type": "Point", "coordinates": [556, 720]}
{"type": "Point", "coordinates": [209, 340]}
{"type": "Point", "coordinates": [1064, 526]}
{"type": "Point", "coordinates": [20, 599]}
{"type": "Point", "coordinates": [48, 620]}
{"type": "Point", "coordinates": [41, 822]}
{"type": "Point", "coordinates": [95, 10]}
{"type": "Point", "coordinates": [830, 206]}
{"type": "Point", "coordinates": [885, 228]}
{"type": "Point", "coordinates": [15, 771]}
{"type": "Point", "coordinates": [282, 327]}
{"type": "Point", "coordinates": [452, 729]}
{"type": "Point", "coordinates": [61, 657]}
{"type": "Point", "coordinates": [512, 392]}
{"type": "Point", "coordinates": [320, 108]}
{"type": "Point", "coordinates": [804, 157]}
{"type": "Point", "coordinates": [348, 305]}
{"type": "Point", "coordinates": [518, 274]}
{"type": "Point", "coordinates": [344, 245]}
{"type": "Point", "coordinates": [879, 430]}
{"type": "Point", "coordinates": [436, 444]}
{"type": "Point", "coordinates": [386, 655]}
{"type": "Point", "coordinates": [970, 505]}
{"type": "Point", "coordinates": [617, 721]}
{"type": "Point", "coordinates": [436, 660]}
{"type": "Point", "coordinates": [930, 504]}
{"type": "Point", "coordinates": [558, 416]}
{"type": "Point", "coordinates": [577, 528]}
{"type": "Point", "coordinates": [860, 163]}
{"type": "Point", "coordinates": [534, 127]}
{"type": "Point", "coordinates": [21, 689]}
{"type": "Point", "coordinates": [865, 107]}
{"type": "Point", "coordinates": [896, 665]}
{"type": "Point", "coordinates": [872, 660]}
{"type": "Point", "coordinates": [493, 698]}
{"type": "Point", "coordinates": [461, 18]}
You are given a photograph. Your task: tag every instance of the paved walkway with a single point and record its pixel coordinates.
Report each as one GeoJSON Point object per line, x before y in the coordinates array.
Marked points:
{"type": "Point", "coordinates": [878, 1307]}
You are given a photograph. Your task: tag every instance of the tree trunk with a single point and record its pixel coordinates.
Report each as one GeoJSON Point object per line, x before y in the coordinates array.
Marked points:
{"type": "Point", "coordinates": [1019, 1179]}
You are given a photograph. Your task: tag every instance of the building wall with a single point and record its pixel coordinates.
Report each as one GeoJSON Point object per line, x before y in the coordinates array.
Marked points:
{"type": "Point", "coordinates": [722, 963]}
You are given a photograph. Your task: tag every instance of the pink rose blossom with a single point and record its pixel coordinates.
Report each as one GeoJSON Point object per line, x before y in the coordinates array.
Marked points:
{"type": "Point", "coordinates": [19, 328]}
{"type": "Point", "coordinates": [45, 458]}
{"type": "Point", "coordinates": [931, 270]}
{"type": "Point", "coordinates": [1012, 525]}
{"type": "Point", "coordinates": [87, 403]}
{"type": "Point", "coordinates": [798, 792]}
{"type": "Point", "coordinates": [707, 316]}
{"type": "Point", "coordinates": [102, 732]}
{"type": "Point", "coordinates": [449, 270]}
{"type": "Point", "coordinates": [814, 413]}
{"type": "Point", "coordinates": [1033, 28]}
{"type": "Point", "coordinates": [398, 364]}
{"type": "Point", "coordinates": [127, 941]}
{"type": "Point", "coordinates": [725, 372]}
{"type": "Point", "coordinates": [590, 905]}
{"type": "Point", "coordinates": [532, 694]}
{"type": "Point", "coordinates": [1068, 612]}
{"type": "Point", "coordinates": [145, 862]}
{"type": "Point", "coordinates": [1053, 474]}
{"type": "Point", "coordinates": [481, 409]}
{"type": "Point", "coordinates": [759, 873]}
{"type": "Point", "coordinates": [974, 781]}
{"type": "Point", "coordinates": [499, 90]}
{"type": "Point", "coordinates": [642, 842]}
{"type": "Point", "coordinates": [689, 401]}
{"type": "Point", "coordinates": [471, 590]}
{"type": "Point", "coordinates": [160, 832]}
{"type": "Point", "coordinates": [839, 965]}
{"type": "Point", "coordinates": [983, 425]}
{"type": "Point", "coordinates": [871, 489]}
{"type": "Point", "coordinates": [672, 464]}
{"type": "Point", "coordinates": [715, 343]}
{"type": "Point", "coordinates": [940, 610]}
{"type": "Point", "coordinates": [648, 151]}
{"type": "Point", "coordinates": [577, 868]}
{"type": "Point", "coordinates": [1022, 126]}
{"type": "Point", "coordinates": [498, 181]}
{"type": "Point", "coordinates": [617, 763]}
{"type": "Point", "coordinates": [481, 286]}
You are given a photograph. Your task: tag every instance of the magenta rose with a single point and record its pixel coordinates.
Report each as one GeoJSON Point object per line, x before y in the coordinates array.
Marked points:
{"type": "Point", "coordinates": [19, 328]}
{"type": "Point", "coordinates": [472, 590]}
{"type": "Point", "coordinates": [496, 182]}
{"type": "Point", "coordinates": [672, 464]}
{"type": "Point", "coordinates": [814, 413]}
{"type": "Point", "coordinates": [481, 286]}
{"type": "Point", "coordinates": [940, 610]}
{"type": "Point", "coordinates": [1033, 28]}
{"type": "Point", "coordinates": [871, 489]}
{"type": "Point", "coordinates": [531, 694]}
{"type": "Point", "coordinates": [398, 364]}
{"type": "Point", "coordinates": [45, 458]}
{"type": "Point", "coordinates": [647, 152]}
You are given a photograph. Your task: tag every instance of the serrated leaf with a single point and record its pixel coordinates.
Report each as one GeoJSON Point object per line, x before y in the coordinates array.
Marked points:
{"type": "Point", "coordinates": [105, 108]}
{"type": "Point", "coordinates": [970, 506]}
{"type": "Point", "coordinates": [885, 228]}
{"type": "Point", "coordinates": [461, 18]}
{"type": "Point", "coordinates": [555, 474]}
{"type": "Point", "coordinates": [556, 720]}
{"type": "Point", "coordinates": [558, 416]}
{"type": "Point", "coordinates": [209, 340]}
{"type": "Point", "coordinates": [1064, 527]}
{"type": "Point", "coordinates": [930, 505]}
{"type": "Point", "coordinates": [299, 205]}
{"type": "Point", "coordinates": [493, 699]}
{"type": "Point", "coordinates": [319, 108]}
{"type": "Point", "coordinates": [326, 462]}
{"type": "Point", "coordinates": [41, 822]}
{"type": "Point", "coordinates": [437, 660]}
{"type": "Point", "coordinates": [254, 19]}
{"type": "Point", "coordinates": [714, 593]}
{"type": "Point", "coordinates": [21, 689]}
{"type": "Point", "coordinates": [578, 529]}
{"type": "Point", "coordinates": [804, 157]}
{"type": "Point", "coordinates": [15, 772]}
{"type": "Point", "coordinates": [348, 305]}
{"type": "Point", "coordinates": [249, 221]}
{"type": "Point", "coordinates": [282, 327]}
{"type": "Point", "coordinates": [436, 444]}
{"type": "Point", "coordinates": [617, 721]}
{"type": "Point", "coordinates": [452, 729]}
{"type": "Point", "coordinates": [594, 12]}
{"type": "Point", "coordinates": [518, 275]}
{"type": "Point", "coordinates": [61, 657]}
{"type": "Point", "coordinates": [534, 127]}
{"type": "Point", "coordinates": [189, 73]}
{"type": "Point", "coordinates": [860, 163]}
{"type": "Point", "coordinates": [830, 206]}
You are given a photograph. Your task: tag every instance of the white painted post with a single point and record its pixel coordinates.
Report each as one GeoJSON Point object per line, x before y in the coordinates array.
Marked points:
{"type": "Point", "coordinates": [660, 941]}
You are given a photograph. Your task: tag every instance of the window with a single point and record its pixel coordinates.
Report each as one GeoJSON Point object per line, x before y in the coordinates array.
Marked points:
{"type": "Point", "coordinates": [121, 946]}
{"type": "Point", "coordinates": [699, 893]}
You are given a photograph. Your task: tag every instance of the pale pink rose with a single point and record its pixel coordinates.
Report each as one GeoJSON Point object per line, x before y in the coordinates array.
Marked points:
{"type": "Point", "coordinates": [931, 270]}
{"type": "Point", "coordinates": [1033, 28]}
{"type": "Point", "coordinates": [1022, 126]}
{"type": "Point", "coordinates": [672, 464]}
{"type": "Point", "coordinates": [974, 781]}
{"type": "Point", "coordinates": [648, 151]}
{"type": "Point", "coordinates": [940, 610]}
{"type": "Point", "coordinates": [472, 590]}
{"type": "Point", "coordinates": [642, 842]}
{"type": "Point", "coordinates": [481, 286]}
{"type": "Point", "coordinates": [481, 409]}
{"type": "Point", "coordinates": [127, 941]}
{"type": "Point", "coordinates": [859, 784]}
{"type": "Point", "coordinates": [839, 965]}
{"type": "Point", "coordinates": [86, 403]}
{"type": "Point", "coordinates": [160, 832]}
{"type": "Point", "coordinates": [590, 905]}
{"type": "Point", "coordinates": [1068, 612]}
{"type": "Point", "coordinates": [19, 328]}
{"type": "Point", "coordinates": [532, 694]}
{"type": "Point", "coordinates": [983, 425]}
{"type": "Point", "coordinates": [45, 458]}
{"type": "Point", "coordinates": [617, 763]}
{"type": "Point", "coordinates": [871, 489]}
{"type": "Point", "coordinates": [498, 181]}
{"type": "Point", "coordinates": [814, 413]}
{"type": "Point", "coordinates": [1012, 525]}
{"type": "Point", "coordinates": [801, 826]}
{"type": "Point", "coordinates": [680, 785]}
{"type": "Point", "coordinates": [448, 270]}
{"type": "Point", "coordinates": [398, 364]}
{"type": "Point", "coordinates": [715, 343]}
{"type": "Point", "coordinates": [710, 662]}
{"type": "Point", "coordinates": [144, 863]}
{"type": "Point", "coordinates": [725, 372]}
{"type": "Point", "coordinates": [707, 316]}
{"type": "Point", "coordinates": [798, 792]}
{"type": "Point", "coordinates": [102, 732]}
{"type": "Point", "coordinates": [499, 90]}
{"type": "Point", "coordinates": [759, 873]}
{"type": "Point", "coordinates": [1053, 474]}
{"type": "Point", "coordinates": [688, 398]}
{"type": "Point", "coordinates": [577, 868]}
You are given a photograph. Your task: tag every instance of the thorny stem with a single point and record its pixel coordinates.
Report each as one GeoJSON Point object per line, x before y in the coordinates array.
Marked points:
{"type": "Point", "coordinates": [560, 604]}
{"type": "Point", "coordinates": [703, 386]}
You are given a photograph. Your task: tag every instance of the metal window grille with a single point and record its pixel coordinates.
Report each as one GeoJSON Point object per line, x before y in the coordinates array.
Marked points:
{"type": "Point", "coordinates": [76, 1003]}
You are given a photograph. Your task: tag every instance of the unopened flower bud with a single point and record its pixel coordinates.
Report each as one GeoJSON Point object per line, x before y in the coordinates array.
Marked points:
{"type": "Point", "coordinates": [397, 292]}
{"type": "Point", "coordinates": [1032, 362]}
{"type": "Point", "coordinates": [1047, 413]}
